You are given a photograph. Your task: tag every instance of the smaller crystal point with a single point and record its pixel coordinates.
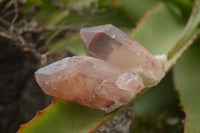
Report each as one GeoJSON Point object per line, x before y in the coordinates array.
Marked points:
{"type": "Point", "coordinates": [112, 45]}
{"type": "Point", "coordinates": [89, 81]}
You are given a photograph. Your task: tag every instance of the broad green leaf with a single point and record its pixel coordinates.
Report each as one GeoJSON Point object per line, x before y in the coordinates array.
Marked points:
{"type": "Point", "coordinates": [156, 37]}
{"type": "Point", "coordinates": [65, 117]}
{"type": "Point", "coordinates": [187, 80]}
{"type": "Point", "coordinates": [159, 30]}
{"type": "Point", "coordinates": [170, 37]}
{"type": "Point", "coordinates": [135, 14]}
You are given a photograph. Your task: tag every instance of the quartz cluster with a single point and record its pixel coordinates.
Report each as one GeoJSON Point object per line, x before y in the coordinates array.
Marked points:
{"type": "Point", "coordinates": [114, 46]}
{"type": "Point", "coordinates": [118, 70]}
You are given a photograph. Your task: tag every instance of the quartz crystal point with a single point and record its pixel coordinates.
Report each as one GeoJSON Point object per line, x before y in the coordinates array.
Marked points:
{"type": "Point", "coordinates": [89, 81]}
{"type": "Point", "coordinates": [112, 45]}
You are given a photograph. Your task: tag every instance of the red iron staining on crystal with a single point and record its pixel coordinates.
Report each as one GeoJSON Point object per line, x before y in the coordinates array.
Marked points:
{"type": "Point", "coordinates": [90, 82]}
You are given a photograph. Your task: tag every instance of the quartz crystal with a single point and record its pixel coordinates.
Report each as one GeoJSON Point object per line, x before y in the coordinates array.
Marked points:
{"type": "Point", "coordinates": [114, 46]}
{"type": "Point", "coordinates": [89, 81]}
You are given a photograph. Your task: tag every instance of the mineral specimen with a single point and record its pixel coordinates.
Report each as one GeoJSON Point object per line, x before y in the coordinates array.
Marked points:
{"type": "Point", "coordinates": [89, 81]}
{"type": "Point", "coordinates": [112, 45]}
{"type": "Point", "coordinates": [123, 69]}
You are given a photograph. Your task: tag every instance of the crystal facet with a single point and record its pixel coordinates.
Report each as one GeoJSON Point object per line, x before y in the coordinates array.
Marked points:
{"type": "Point", "coordinates": [89, 81]}
{"type": "Point", "coordinates": [112, 45]}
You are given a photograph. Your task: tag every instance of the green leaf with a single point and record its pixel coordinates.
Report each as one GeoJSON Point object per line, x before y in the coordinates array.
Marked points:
{"type": "Point", "coordinates": [158, 31]}
{"type": "Point", "coordinates": [107, 11]}
{"type": "Point", "coordinates": [187, 80]}
{"type": "Point", "coordinates": [166, 33]}
{"type": "Point", "coordinates": [65, 117]}
{"type": "Point", "coordinates": [187, 37]}
{"type": "Point", "coordinates": [135, 9]}
{"type": "Point", "coordinates": [142, 104]}
{"type": "Point", "coordinates": [72, 43]}
{"type": "Point", "coordinates": [44, 12]}
{"type": "Point", "coordinates": [57, 17]}
{"type": "Point", "coordinates": [135, 14]}
{"type": "Point", "coordinates": [184, 5]}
